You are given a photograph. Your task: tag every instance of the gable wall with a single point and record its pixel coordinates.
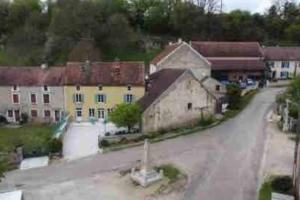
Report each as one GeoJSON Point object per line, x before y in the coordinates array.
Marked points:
{"type": "Point", "coordinates": [171, 110]}
{"type": "Point", "coordinates": [185, 58]}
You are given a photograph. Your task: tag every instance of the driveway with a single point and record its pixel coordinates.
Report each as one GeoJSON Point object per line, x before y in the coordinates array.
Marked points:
{"type": "Point", "coordinates": [223, 163]}
{"type": "Point", "coordinates": [81, 139]}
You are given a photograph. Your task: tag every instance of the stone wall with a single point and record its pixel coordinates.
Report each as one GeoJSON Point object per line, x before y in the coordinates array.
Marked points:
{"type": "Point", "coordinates": [171, 111]}
{"type": "Point", "coordinates": [185, 58]}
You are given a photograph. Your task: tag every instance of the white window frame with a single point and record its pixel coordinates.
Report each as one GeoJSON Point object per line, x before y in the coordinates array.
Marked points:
{"type": "Point", "coordinates": [99, 97]}
{"type": "Point", "coordinates": [101, 113]}
{"type": "Point", "coordinates": [37, 113]}
{"type": "Point", "coordinates": [44, 99]}
{"type": "Point", "coordinates": [44, 113]}
{"type": "Point", "coordinates": [36, 99]}
{"type": "Point", "coordinates": [19, 97]}
{"type": "Point", "coordinates": [77, 97]}
{"type": "Point", "coordinates": [92, 111]}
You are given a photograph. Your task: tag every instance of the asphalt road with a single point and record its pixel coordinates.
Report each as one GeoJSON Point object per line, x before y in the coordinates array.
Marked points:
{"type": "Point", "coordinates": [223, 163]}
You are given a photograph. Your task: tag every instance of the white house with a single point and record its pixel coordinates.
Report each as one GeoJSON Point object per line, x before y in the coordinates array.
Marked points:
{"type": "Point", "coordinates": [284, 62]}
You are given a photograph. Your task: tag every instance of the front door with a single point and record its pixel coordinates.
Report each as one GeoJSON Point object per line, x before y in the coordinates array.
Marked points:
{"type": "Point", "coordinates": [78, 114]}
{"type": "Point", "coordinates": [17, 115]}
{"type": "Point", "coordinates": [57, 115]}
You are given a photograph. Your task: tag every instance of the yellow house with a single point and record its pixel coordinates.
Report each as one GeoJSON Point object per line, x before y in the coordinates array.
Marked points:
{"type": "Point", "coordinates": [92, 90]}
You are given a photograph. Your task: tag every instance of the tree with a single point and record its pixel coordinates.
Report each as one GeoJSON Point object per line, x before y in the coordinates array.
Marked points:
{"type": "Point", "coordinates": [234, 95]}
{"type": "Point", "coordinates": [126, 115]}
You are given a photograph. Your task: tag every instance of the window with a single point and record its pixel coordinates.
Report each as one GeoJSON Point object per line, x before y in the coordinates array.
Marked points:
{"type": "Point", "coordinates": [190, 106]}
{"type": "Point", "coordinates": [128, 98]}
{"type": "Point", "coordinates": [78, 112]}
{"type": "Point", "coordinates": [34, 113]}
{"type": "Point", "coordinates": [77, 87]}
{"type": "Point", "coordinates": [217, 87]}
{"type": "Point", "coordinates": [47, 113]}
{"type": "Point", "coordinates": [46, 98]}
{"type": "Point", "coordinates": [10, 113]}
{"type": "Point", "coordinates": [101, 114]}
{"type": "Point", "coordinates": [78, 98]}
{"type": "Point", "coordinates": [271, 64]}
{"type": "Point", "coordinates": [92, 112]}
{"type": "Point", "coordinates": [16, 98]}
{"type": "Point", "coordinates": [100, 87]}
{"type": "Point", "coordinates": [46, 88]}
{"type": "Point", "coordinates": [15, 88]}
{"type": "Point", "coordinates": [129, 87]}
{"type": "Point", "coordinates": [285, 64]}
{"type": "Point", "coordinates": [284, 74]}
{"type": "Point", "coordinates": [101, 98]}
{"type": "Point", "coordinates": [110, 110]}
{"type": "Point", "coordinates": [33, 98]}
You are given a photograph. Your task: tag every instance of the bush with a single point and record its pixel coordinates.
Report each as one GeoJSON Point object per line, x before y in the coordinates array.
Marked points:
{"type": "Point", "coordinates": [171, 172]}
{"type": "Point", "coordinates": [207, 120]}
{"type": "Point", "coordinates": [103, 143]}
{"type": "Point", "coordinates": [107, 134]}
{"type": "Point", "coordinates": [234, 95]}
{"type": "Point", "coordinates": [282, 184]}
{"type": "Point", "coordinates": [55, 146]}
{"type": "Point", "coordinates": [24, 118]}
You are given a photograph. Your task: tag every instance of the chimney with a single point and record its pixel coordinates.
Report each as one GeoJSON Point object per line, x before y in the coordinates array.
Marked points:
{"type": "Point", "coordinates": [116, 70]}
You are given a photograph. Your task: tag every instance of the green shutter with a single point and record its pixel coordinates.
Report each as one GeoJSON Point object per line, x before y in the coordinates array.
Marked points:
{"type": "Point", "coordinates": [82, 98]}
{"type": "Point", "coordinates": [104, 98]}
{"type": "Point", "coordinates": [74, 98]}
{"type": "Point", "coordinates": [124, 98]}
{"type": "Point", "coordinates": [96, 98]}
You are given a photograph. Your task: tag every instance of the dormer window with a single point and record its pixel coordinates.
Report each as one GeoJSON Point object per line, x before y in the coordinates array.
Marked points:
{"type": "Point", "coordinates": [129, 87]}
{"type": "Point", "coordinates": [46, 88]}
{"type": "Point", "coordinates": [15, 88]}
{"type": "Point", "coordinates": [100, 87]}
{"type": "Point", "coordinates": [78, 88]}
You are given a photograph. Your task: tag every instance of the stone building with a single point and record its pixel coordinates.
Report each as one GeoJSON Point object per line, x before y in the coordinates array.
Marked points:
{"type": "Point", "coordinates": [32, 90]}
{"type": "Point", "coordinates": [233, 61]}
{"type": "Point", "coordinates": [177, 98]}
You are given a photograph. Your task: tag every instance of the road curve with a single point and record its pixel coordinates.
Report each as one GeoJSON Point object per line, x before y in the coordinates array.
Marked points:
{"type": "Point", "coordinates": [222, 163]}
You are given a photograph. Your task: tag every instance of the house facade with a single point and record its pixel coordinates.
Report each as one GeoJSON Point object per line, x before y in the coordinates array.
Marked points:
{"type": "Point", "coordinates": [233, 61]}
{"type": "Point", "coordinates": [93, 90]}
{"type": "Point", "coordinates": [283, 62]}
{"type": "Point", "coordinates": [37, 92]}
{"type": "Point", "coordinates": [175, 98]}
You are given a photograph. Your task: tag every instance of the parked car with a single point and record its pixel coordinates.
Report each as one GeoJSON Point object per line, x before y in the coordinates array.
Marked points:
{"type": "Point", "coordinates": [243, 85]}
{"type": "Point", "coordinates": [250, 82]}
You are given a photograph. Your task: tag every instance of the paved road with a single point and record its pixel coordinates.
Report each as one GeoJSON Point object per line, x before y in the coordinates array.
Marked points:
{"type": "Point", "coordinates": [223, 163]}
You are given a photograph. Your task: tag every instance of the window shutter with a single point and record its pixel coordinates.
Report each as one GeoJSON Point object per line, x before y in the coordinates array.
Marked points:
{"type": "Point", "coordinates": [96, 98]}
{"type": "Point", "coordinates": [124, 98]}
{"type": "Point", "coordinates": [104, 98]}
{"type": "Point", "coordinates": [82, 98]}
{"type": "Point", "coordinates": [74, 98]}
{"type": "Point", "coordinates": [133, 98]}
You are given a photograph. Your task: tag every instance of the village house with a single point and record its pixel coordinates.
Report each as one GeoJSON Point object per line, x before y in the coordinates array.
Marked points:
{"type": "Point", "coordinates": [36, 91]}
{"type": "Point", "coordinates": [233, 61]}
{"type": "Point", "coordinates": [283, 62]}
{"type": "Point", "coordinates": [92, 90]}
{"type": "Point", "coordinates": [177, 98]}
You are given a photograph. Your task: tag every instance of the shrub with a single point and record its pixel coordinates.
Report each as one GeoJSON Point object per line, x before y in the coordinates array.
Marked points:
{"type": "Point", "coordinates": [107, 134]}
{"type": "Point", "coordinates": [282, 184]}
{"type": "Point", "coordinates": [24, 118]}
{"type": "Point", "coordinates": [55, 146]}
{"type": "Point", "coordinates": [207, 120]}
{"type": "Point", "coordinates": [171, 172]}
{"type": "Point", "coordinates": [103, 143]}
{"type": "Point", "coordinates": [234, 95]}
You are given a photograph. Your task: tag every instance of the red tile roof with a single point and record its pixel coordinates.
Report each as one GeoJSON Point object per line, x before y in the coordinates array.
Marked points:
{"type": "Point", "coordinates": [159, 82]}
{"type": "Point", "coordinates": [282, 53]}
{"type": "Point", "coordinates": [105, 73]}
{"type": "Point", "coordinates": [168, 49]}
{"type": "Point", "coordinates": [31, 76]}
{"type": "Point", "coordinates": [228, 49]}
{"type": "Point", "coordinates": [237, 64]}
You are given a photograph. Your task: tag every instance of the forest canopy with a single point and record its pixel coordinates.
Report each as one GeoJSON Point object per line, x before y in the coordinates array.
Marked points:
{"type": "Point", "coordinates": [34, 32]}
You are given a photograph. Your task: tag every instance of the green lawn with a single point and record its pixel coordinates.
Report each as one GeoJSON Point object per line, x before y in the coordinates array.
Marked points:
{"type": "Point", "coordinates": [265, 191]}
{"type": "Point", "coordinates": [33, 138]}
